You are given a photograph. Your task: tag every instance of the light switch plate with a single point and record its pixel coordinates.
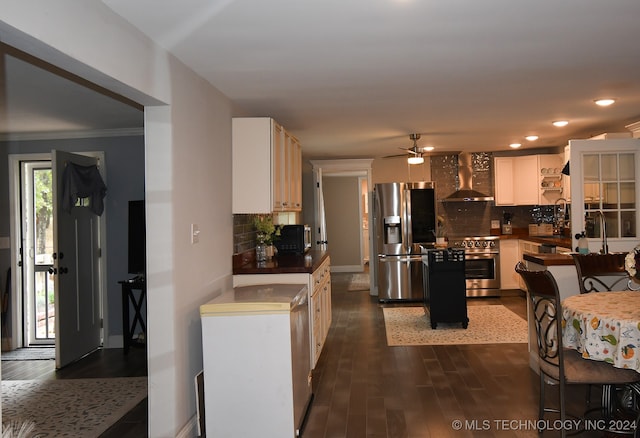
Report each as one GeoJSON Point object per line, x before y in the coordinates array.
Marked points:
{"type": "Point", "coordinates": [195, 233]}
{"type": "Point", "coordinates": [5, 243]}
{"type": "Point", "coordinates": [495, 224]}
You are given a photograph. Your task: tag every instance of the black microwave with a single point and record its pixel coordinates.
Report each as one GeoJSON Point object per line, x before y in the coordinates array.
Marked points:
{"type": "Point", "coordinates": [294, 239]}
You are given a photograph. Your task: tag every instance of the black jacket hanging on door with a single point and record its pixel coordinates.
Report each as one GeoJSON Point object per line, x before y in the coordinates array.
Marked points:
{"type": "Point", "coordinates": [83, 182]}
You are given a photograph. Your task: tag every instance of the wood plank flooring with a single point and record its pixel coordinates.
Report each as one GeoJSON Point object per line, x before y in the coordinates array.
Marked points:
{"type": "Point", "coordinates": [363, 388]}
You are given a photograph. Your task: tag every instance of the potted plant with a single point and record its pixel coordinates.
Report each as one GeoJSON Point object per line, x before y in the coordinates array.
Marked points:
{"type": "Point", "coordinates": [266, 233]}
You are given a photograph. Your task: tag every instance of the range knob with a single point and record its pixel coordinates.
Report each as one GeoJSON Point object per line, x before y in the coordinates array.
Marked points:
{"type": "Point", "coordinates": [477, 244]}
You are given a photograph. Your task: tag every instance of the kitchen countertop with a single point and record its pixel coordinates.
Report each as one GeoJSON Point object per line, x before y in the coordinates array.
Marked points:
{"type": "Point", "coordinates": [523, 234]}
{"type": "Point", "coordinates": [280, 264]}
{"type": "Point", "coordinates": [549, 259]}
{"type": "Point", "coordinates": [259, 299]}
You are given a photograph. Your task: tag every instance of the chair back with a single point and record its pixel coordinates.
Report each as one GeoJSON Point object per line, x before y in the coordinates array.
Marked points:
{"type": "Point", "coordinates": [547, 314]}
{"type": "Point", "coordinates": [600, 272]}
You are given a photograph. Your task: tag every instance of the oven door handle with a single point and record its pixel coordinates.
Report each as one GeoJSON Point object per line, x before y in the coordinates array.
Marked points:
{"type": "Point", "coordinates": [481, 255]}
{"type": "Point", "coordinates": [400, 258]}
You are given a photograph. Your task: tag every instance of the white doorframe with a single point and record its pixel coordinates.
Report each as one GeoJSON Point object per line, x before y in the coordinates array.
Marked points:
{"type": "Point", "coordinates": [347, 167]}
{"type": "Point", "coordinates": [17, 304]}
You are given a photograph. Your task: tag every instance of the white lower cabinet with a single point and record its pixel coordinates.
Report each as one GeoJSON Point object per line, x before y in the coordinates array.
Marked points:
{"type": "Point", "coordinates": [320, 302]}
{"type": "Point", "coordinates": [509, 257]}
{"type": "Point", "coordinates": [257, 370]}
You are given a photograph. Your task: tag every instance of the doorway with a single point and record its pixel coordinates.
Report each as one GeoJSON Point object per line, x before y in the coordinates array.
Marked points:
{"type": "Point", "coordinates": [36, 214]}
{"type": "Point", "coordinates": [33, 307]}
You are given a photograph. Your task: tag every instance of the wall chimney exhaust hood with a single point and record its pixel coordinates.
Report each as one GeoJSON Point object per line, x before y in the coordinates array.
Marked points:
{"type": "Point", "coordinates": [465, 191]}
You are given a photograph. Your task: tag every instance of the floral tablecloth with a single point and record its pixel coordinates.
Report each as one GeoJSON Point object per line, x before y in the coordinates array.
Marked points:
{"type": "Point", "coordinates": [604, 326]}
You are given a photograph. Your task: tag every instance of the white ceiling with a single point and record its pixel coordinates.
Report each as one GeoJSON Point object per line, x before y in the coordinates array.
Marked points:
{"type": "Point", "coordinates": [354, 78]}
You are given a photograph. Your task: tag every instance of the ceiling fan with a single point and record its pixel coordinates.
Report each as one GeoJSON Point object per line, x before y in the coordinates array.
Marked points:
{"type": "Point", "coordinates": [415, 153]}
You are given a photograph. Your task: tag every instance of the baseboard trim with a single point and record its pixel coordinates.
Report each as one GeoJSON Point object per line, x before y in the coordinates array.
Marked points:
{"type": "Point", "coordinates": [190, 429]}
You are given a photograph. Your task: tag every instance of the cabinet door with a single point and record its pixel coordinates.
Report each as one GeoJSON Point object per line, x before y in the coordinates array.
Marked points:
{"type": "Point", "coordinates": [296, 175]}
{"type": "Point", "coordinates": [251, 165]}
{"type": "Point", "coordinates": [504, 191]}
{"type": "Point", "coordinates": [279, 155]}
{"type": "Point", "coordinates": [509, 256]}
{"type": "Point", "coordinates": [526, 182]}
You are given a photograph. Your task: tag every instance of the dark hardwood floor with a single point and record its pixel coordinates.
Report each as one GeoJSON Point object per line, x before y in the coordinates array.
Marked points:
{"type": "Point", "coordinates": [363, 388]}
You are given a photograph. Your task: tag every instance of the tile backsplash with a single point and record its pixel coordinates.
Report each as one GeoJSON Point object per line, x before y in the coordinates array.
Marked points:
{"type": "Point", "coordinates": [474, 218]}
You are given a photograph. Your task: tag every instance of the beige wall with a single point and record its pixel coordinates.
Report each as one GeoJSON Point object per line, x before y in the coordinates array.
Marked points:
{"type": "Point", "coordinates": [385, 170]}
{"type": "Point", "coordinates": [187, 179]}
{"type": "Point", "coordinates": [342, 212]}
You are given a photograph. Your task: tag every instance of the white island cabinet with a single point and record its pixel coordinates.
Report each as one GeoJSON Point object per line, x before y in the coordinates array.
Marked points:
{"type": "Point", "coordinates": [319, 283]}
{"type": "Point", "coordinates": [257, 371]}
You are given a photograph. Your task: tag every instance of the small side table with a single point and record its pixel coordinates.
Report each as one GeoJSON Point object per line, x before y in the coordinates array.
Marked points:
{"type": "Point", "coordinates": [128, 296]}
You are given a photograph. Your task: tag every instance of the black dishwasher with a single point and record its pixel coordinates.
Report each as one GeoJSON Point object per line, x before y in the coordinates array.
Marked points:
{"type": "Point", "coordinates": [445, 294]}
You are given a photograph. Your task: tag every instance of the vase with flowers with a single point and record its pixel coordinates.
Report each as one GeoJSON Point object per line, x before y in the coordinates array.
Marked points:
{"type": "Point", "coordinates": [441, 231]}
{"type": "Point", "coordinates": [266, 233]}
{"type": "Point", "coordinates": [632, 266]}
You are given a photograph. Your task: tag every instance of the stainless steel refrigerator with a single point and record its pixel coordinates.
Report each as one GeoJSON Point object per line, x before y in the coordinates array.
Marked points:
{"type": "Point", "coordinates": [404, 219]}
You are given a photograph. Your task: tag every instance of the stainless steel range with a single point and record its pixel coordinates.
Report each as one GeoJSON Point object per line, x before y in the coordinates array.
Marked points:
{"type": "Point", "coordinates": [482, 264]}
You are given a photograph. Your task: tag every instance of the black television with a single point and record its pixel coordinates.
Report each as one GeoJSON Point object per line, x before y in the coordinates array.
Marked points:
{"type": "Point", "coordinates": [137, 254]}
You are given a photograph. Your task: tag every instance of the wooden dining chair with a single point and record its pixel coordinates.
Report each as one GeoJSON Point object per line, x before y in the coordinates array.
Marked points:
{"type": "Point", "coordinates": [557, 364]}
{"type": "Point", "coordinates": [601, 272]}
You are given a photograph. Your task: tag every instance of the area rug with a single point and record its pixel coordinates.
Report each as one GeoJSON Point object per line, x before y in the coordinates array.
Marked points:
{"type": "Point", "coordinates": [358, 282]}
{"type": "Point", "coordinates": [487, 325]}
{"type": "Point", "coordinates": [71, 407]}
{"type": "Point", "coordinates": [30, 353]}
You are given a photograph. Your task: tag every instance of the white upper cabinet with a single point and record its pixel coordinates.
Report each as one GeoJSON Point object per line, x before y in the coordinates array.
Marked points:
{"type": "Point", "coordinates": [267, 167]}
{"type": "Point", "coordinates": [528, 179]}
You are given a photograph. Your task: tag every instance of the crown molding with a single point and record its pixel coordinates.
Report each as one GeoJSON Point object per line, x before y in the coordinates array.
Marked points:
{"type": "Point", "coordinates": [66, 135]}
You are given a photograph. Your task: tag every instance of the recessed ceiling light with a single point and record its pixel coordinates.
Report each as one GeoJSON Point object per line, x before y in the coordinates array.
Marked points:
{"type": "Point", "coordinates": [560, 123]}
{"type": "Point", "coordinates": [429, 148]}
{"type": "Point", "coordinates": [531, 137]}
{"type": "Point", "coordinates": [515, 145]}
{"type": "Point", "coordinates": [605, 102]}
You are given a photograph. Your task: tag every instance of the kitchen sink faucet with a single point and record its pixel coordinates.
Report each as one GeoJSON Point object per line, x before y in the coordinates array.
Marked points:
{"type": "Point", "coordinates": [603, 231]}
{"type": "Point", "coordinates": [560, 213]}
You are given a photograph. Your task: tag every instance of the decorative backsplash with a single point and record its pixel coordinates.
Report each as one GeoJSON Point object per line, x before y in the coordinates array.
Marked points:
{"type": "Point", "coordinates": [244, 233]}
{"type": "Point", "coordinates": [474, 218]}
{"type": "Point", "coordinates": [444, 172]}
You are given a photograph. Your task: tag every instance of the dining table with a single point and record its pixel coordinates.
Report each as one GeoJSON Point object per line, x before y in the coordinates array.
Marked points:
{"type": "Point", "coordinates": [604, 326]}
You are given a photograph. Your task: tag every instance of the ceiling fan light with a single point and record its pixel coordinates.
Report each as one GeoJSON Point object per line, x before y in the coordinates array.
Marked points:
{"type": "Point", "coordinates": [604, 102]}
{"type": "Point", "coordinates": [415, 160]}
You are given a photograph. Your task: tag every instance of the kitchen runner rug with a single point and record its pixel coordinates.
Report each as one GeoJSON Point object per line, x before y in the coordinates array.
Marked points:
{"type": "Point", "coordinates": [30, 353]}
{"type": "Point", "coordinates": [494, 324]}
{"type": "Point", "coordinates": [70, 407]}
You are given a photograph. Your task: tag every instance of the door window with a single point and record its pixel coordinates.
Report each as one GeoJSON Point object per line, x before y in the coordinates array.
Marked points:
{"type": "Point", "coordinates": [609, 187]}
